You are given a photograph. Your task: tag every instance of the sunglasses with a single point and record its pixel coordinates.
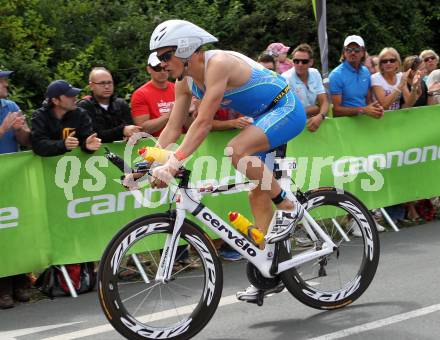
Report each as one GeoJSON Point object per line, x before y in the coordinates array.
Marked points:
{"type": "Point", "coordinates": [388, 61]}
{"type": "Point", "coordinates": [166, 56]}
{"type": "Point", "coordinates": [157, 68]}
{"type": "Point", "coordinates": [301, 61]}
{"type": "Point", "coordinates": [354, 49]}
{"type": "Point", "coordinates": [429, 58]}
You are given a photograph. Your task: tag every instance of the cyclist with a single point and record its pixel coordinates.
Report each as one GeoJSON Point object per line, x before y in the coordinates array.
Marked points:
{"type": "Point", "coordinates": [231, 80]}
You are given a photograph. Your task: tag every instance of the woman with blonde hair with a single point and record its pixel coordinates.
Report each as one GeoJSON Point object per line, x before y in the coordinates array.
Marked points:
{"type": "Point", "coordinates": [430, 60]}
{"type": "Point", "coordinates": [388, 83]}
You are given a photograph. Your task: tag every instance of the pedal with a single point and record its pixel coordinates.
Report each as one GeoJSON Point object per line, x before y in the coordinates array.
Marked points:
{"type": "Point", "coordinates": [259, 300]}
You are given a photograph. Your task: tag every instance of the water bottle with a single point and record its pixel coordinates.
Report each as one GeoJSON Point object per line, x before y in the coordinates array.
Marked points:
{"type": "Point", "coordinates": [153, 154]}
{"type": "Point", "coordinates": [246, 227]}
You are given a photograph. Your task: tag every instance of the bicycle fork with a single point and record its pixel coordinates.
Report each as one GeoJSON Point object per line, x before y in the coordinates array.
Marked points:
{"type": "Point", "coordinates": [168, 256]}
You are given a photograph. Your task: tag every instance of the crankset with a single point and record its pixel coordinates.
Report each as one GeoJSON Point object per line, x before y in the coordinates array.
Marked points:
{"type": "Point", "coordinates": [258, 280]}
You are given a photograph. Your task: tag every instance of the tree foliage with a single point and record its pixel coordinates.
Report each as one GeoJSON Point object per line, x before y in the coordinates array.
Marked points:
{"type": "Point", "coordinates": [43, 40]}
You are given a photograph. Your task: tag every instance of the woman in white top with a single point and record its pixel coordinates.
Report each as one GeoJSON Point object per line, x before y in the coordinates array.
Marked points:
{"type": "Point", "coordinates": [388, 83]}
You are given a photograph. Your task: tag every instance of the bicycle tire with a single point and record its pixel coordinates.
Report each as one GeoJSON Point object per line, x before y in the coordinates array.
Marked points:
{"type": "Point", "coordinates": [311, 283]}
{"type": "Point", "coordinates": [113, 286]}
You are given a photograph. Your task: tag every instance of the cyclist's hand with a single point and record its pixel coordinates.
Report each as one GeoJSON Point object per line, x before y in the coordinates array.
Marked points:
{"type": "Point", "coordinates": [131, 181]}
{"type": "Point", "coordinates": [71, 142]}
{"type": "Point", "coordinates": [163, 174]}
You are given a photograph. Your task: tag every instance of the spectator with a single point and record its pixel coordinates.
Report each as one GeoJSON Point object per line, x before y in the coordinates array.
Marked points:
{"type": "Point", "coordinates": [279, 51]}
{"type": "Point", "coordinates": [111, 118]}
{"type": "Point", "coordinates": [350, 83]}
{"type": "Point", "coordinates": [430, 61]}
{"type": "Point", "coordinates": [350, 87]}
{"type": "Point", "coordinates": [434, 87]}
{"type": "Point", "coordinates": [372, 63]}
{"type": "Point", "coordinates": [59, 125]}
{"type": "Point", "coordinates": [415, 92]}
{"type": "Point", "coordinates": [151, 103]}
{"type": "Point", "coordinates": [388, 85]}
{"type": "Point", "coordinates": [267, 60]}
{"type": "Point", "coordinates": [306, 83]}
{"type": "Point", "coordinates": [13, 133]}
{"type": "Point", "coordinates": [224, 119]}
{"type": "Point", "coordinates": [389, 82]}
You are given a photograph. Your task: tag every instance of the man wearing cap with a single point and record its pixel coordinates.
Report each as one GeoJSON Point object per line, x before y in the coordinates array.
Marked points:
{"type": "Point", "coordinates": [13, 132]}
{"type": "Point", "coordinates": [111, 118]}
{"type": "Point", "coordinates": [152, 102]}
{"type": "Point", "coordinates": [59, 125]}
{"type": "Point", "coordinates": [350, 84]}
{"type": "Point", "coordinates": [13, 128]}
{"type": "Point", "coordinates": [279, 51]}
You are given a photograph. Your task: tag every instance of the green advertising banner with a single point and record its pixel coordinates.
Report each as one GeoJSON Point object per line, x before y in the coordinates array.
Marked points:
{"type": "Point", "coordinates": [61, 210]}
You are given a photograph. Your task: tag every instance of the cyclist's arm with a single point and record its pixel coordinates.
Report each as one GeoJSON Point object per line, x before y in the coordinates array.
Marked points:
{"type": "Point", "coordinates": [178, 116]}
{"type": "Point", "coordinates": [216, 79]}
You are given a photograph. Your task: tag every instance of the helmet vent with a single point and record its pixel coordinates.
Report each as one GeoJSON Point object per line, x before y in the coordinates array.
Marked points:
{"type": "Point", "coordinates": [161, 36]}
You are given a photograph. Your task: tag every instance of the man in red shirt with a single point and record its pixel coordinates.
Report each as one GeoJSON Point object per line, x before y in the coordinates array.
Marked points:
{"type": "Point", "coordinates": [152, 102]}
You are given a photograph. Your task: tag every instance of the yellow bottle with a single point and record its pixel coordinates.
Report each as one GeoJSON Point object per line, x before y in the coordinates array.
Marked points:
{"type": "Point", "coordinates": [153, 154]}
{"type": "Point", "coordinates": [246, 227]}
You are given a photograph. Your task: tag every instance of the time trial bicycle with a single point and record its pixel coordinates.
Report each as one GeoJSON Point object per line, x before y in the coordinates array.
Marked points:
{"type": "Point", "coordinates": [144, 295]}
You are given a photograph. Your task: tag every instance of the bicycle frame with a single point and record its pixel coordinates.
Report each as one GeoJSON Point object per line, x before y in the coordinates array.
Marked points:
{"type": "Point", "coordinates": [189, 200]}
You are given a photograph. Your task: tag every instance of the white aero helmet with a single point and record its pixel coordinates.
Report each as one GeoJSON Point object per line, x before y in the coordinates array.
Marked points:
{"type": "Point", "coordinates": [186, 36]}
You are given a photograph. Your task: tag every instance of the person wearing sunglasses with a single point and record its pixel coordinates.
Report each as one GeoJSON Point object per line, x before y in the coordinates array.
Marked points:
{"type": "Point", "coordinates": [152, 102]}
{"type": "Point", "coordinates": [111, 118]}
{"type": "Point", "coordinates": [306, 82]}
{"type": "Point", "coordinates": [389, 83]}
{"type": "Point", "coordinates": [430, 61]}
{"type": "Point", "coordinates": [230, 80]}
{"type": "Point", "coordinates": [350, 83]}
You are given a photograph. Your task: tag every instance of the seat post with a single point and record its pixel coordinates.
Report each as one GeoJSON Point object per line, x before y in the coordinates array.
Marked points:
{"type": "Point", "coordinates": [283, 169]}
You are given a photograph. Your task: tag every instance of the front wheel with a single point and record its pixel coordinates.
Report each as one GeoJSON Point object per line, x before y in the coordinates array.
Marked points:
{"type": "Point", "coordinates": [138, 306]}
{"type": "Point", "coordinates": [338, 279]}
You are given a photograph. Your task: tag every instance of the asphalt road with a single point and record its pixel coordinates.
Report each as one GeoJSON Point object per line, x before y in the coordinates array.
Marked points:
{"type": "Point", "coordinates": [403, 302]}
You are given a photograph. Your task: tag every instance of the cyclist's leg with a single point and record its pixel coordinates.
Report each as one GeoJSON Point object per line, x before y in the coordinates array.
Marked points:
{"type": "Point", "coordinates": [261, 206]}
{"type": "Point", "coordinates": [251, 141]}
{"type": "Point", "coordinates": [273, 129]}
{"type": "Point", "coordinates": [260, 200]}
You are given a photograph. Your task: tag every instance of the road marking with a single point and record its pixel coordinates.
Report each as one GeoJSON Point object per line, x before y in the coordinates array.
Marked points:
{"type": "Point", "coordinates": [227, 300]}
{"type": "Point", "coordinates": [11, 335]}
{"type": "Point", "coordinates": [379, 323]}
